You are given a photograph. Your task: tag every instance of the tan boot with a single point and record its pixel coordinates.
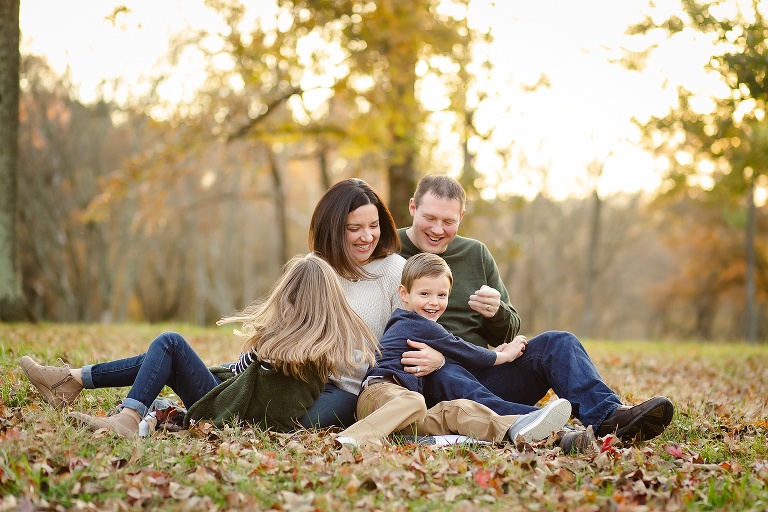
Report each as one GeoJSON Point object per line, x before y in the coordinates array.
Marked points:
{"type": "Point", "coordinates": [124, 424]}
{"type": "Point", "coordinates": [55, 383]}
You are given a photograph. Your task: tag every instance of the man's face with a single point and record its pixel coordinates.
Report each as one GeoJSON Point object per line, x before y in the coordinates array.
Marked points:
{"type": "Point", "coordinates": [435, 222]}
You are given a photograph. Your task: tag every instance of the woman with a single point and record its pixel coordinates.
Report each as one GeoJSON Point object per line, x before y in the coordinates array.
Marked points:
{"type": "Point", "coordinates": [304, 332]}
{"type": "Point", "coordinates": [353, 230]}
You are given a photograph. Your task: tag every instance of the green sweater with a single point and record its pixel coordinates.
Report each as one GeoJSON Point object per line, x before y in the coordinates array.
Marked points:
{"type": "Point", "coordinates": [472, 266]}
{"type": "Point", "coordinates": [266, 398]}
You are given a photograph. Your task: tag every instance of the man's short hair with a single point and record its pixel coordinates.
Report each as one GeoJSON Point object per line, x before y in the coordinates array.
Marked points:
{"type": "Point", "coordinates": [441, 186]}
{"type": "Point", "coordinates": [424, 264]}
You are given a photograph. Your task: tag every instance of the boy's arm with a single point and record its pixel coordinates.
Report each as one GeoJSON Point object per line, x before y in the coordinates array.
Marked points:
{"type": "Point", "coordinates": [463, 352]}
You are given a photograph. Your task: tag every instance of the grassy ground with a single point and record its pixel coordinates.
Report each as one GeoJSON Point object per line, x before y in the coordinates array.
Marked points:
{"type": "Point", "coordinates": [714, 456]}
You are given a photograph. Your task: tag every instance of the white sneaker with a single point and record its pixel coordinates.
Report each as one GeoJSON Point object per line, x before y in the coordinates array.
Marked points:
{"type": "Point", "coordinates": [348, 442]}
{"type": "Point", "coordinates": [538, 425]}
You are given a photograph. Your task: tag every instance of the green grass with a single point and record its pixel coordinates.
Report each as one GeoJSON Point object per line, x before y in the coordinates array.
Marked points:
{"type": "Point", "coordinates": [714, 456]}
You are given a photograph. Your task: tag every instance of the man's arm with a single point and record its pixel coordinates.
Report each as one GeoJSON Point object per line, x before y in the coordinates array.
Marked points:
{"type": "Point", "coordinates": [501, 323]}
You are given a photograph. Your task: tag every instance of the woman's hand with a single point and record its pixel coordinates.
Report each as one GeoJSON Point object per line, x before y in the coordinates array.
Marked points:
{"type": "Point", "coordinates": [422, 361]}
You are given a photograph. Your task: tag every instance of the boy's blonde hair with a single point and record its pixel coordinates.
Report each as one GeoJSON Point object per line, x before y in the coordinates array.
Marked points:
{"type": "Point", "coordinates": [306, 326]}
{"type": "Point", "coordinates": [424, 264]}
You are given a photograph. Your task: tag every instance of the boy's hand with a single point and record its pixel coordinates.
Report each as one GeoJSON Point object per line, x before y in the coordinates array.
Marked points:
{"type": "Point", "coordinates": [508, 352]}
{"type": "Point", "coordinates": [422, 361]}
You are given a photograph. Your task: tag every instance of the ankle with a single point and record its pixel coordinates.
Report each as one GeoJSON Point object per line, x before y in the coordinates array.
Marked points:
{"type": "Point", "coordinates": [77, 374]}
{"type": "Point", "coordinates": [133, 414]}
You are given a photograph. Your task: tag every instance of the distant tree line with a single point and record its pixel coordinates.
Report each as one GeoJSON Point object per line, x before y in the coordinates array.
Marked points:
{"type": "Point", "coordinates": [197, 236]}
{"type": "Point", "coordinates": [184, 212]}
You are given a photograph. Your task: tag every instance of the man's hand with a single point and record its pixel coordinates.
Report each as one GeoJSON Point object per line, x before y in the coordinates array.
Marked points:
{"type": "Point", "coordinates": [422, 361]}
{"type": "Point", "coordinates": [486, 301]}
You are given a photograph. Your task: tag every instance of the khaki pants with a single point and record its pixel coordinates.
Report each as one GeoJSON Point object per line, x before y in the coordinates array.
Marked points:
{"type": "Point", "coordinates": [384, 408]}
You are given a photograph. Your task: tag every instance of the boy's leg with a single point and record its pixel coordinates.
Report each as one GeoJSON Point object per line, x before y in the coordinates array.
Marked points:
{"type": "Point", "coordinates": [383, 408]}
{"type": "Point", "coordinates": [471, 419]}
{"type": "Point", "coordinates": [467, 418]}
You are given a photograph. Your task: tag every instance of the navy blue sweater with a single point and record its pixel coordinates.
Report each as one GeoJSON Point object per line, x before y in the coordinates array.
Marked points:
{"type": "Point", "coordinates": [406, 325]}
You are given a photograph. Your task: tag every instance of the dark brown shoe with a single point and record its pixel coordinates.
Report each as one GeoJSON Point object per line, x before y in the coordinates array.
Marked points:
{"type": "Point", "coordinates": [640, 422]}
{"type": "Point", "coordinates": [574, 442]}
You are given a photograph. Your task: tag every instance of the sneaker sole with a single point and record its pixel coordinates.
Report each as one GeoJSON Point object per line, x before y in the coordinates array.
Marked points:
{"type": "Point", "coordinates": [648, 425]}
{"type": "Point", "coordinates": [555, 416]}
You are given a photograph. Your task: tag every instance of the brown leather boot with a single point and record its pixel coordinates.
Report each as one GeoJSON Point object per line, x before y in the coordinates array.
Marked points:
{"type": "Point", "coordinates": [124, 424]}
{"type": "Point", "coordinates": [55, 383]}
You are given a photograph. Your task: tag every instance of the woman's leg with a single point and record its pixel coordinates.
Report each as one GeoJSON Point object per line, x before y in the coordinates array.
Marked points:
{"type": "Point", "coordinates": [333, 408]}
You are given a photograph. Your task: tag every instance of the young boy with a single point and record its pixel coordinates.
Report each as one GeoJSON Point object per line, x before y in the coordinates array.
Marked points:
{"type": "Point", "coordinates": [391, 399]}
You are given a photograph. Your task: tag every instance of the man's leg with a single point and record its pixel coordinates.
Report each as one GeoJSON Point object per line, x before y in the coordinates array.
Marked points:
{"type": "Point", "coordinates": [556, 360]}
{"type": "Point", "coordinates": [453, 382]}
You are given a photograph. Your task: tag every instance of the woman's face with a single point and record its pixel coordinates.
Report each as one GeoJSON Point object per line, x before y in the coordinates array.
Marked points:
{"type": "Point", "coordinates": [363, 232]}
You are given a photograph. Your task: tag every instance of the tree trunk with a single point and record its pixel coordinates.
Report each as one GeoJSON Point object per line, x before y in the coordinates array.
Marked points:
{"type": "Point", "coordinates": [749, 279]}
{"type": "Point", "coordinates": [402, 183]}
{"type": "Point", "coordinates": [11, 297]}
{"type": "Point", "coordinates": [279, 198]}
{"type": "Point", "coordinates": [592, 247]}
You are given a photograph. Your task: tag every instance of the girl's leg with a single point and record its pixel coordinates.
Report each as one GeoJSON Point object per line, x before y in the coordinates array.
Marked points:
{"type": "Point", "coordinates": [112, 374]}
{"type": "Point", "coordinates": [169, 361]}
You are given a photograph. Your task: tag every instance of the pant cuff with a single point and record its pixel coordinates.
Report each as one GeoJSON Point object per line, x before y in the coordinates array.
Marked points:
{"type": "Point", "coordinates": [87, 377]}
{"type": "Point", "coordinates": [137, 406]}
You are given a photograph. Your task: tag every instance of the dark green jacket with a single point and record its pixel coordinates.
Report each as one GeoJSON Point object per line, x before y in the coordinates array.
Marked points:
{"type": "Point", "coordinates": [266, 398]}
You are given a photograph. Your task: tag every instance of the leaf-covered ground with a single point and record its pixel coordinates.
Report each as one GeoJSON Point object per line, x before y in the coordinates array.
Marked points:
{"type": "Point", "coordinates": [714, 456]}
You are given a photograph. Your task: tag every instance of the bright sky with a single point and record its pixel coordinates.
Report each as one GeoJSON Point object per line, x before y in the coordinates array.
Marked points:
{"type": "Point", "coordinates": [583, 117]}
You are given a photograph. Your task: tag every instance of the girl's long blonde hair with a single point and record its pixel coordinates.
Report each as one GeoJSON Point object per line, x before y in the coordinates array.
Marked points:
{"type": "Point", "coordinates": [306, 326]}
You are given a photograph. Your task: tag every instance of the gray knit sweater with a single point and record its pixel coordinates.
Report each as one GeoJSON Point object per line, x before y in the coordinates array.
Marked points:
{"type": "Point", "coordinates": [375, 301]}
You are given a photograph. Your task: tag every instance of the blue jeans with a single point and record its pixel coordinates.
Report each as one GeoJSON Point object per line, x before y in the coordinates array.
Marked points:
{"type": "Point", "coordinates": [169, 361]}
{"type": "Point", "coordinates": [333, 408]}
{"type": "Point", "coordinates": [554, 359]}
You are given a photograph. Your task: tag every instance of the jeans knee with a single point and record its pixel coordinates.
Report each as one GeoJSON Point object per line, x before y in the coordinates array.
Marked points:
{"type": "Point", "coordinates": [169, 340]}
{"type": "Point", "coordinates": [559, 341]}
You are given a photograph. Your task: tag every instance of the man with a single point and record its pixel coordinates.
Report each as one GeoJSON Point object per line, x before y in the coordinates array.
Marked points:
{"type": "Point", "coordinates": [479, 311]}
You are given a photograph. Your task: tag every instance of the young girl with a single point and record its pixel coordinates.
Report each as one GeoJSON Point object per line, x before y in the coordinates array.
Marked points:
{"type": "Point", "coordinates": [303, 332]}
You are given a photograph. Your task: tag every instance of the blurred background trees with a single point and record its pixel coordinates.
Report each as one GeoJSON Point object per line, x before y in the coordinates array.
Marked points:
{"type": "Point", "coordinates": [11, 298]}
{"type": "Point", "coordinates": [154, 210]}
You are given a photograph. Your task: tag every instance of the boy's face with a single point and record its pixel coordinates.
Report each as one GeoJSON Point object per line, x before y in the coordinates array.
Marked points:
{"type": "Point", "coordinates": [427, 297]}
